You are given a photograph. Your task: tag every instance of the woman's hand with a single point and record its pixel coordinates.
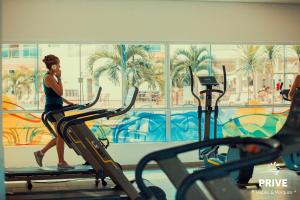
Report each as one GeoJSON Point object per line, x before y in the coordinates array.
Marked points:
{"type": "Point", "coordinates": [68, 102]}
{"type": "Point", "coordinates": [58, 73]}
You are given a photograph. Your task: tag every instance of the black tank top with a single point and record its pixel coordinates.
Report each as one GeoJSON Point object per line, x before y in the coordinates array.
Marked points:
{"type": "Point", "coordinates": [51, 96]}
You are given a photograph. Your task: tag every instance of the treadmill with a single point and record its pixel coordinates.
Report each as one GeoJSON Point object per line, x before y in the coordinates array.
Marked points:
{"type": "Point", "coordinates": [48, 173]}
{"type": "Point", "coordinates": [78, 136]}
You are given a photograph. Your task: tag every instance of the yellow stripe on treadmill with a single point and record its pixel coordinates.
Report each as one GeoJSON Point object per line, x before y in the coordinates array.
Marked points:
{"type": "Point", "coordinates": [213, 162]}
{"type": "Point", "coordinates": [105, 161]}
{"type": "Point", "coordinates": [76, 142]}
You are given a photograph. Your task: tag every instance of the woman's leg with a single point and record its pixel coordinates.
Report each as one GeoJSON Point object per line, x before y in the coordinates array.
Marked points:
{"type": "Point", "coordinates": [50, 144]}
{"type": "Point", "coordinates": [60, 149]}
{"type": "Point", "coordinates": [59, 146]}
{"type": "Point", "coordinates": [40, 154]}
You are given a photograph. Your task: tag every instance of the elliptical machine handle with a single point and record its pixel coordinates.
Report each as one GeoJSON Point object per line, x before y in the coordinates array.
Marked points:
{"type": "Point", "coordinates": [217, 101]}
{"type": "Point", "coordinates": [225, 79]}
{"type": "Point", "coordinates": [284, 93]}
{"type": "Point", "coordinates": [192, 86]}
{"type": "Point", "coordinates": [225, 85]}
{"type": "Point", "coordinates": [199, 109]}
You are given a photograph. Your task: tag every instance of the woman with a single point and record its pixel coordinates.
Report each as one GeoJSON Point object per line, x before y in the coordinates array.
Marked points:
{"type": "Point", "coordinates": [53, 92]}
{"type": "Point", "coordinates": [295, 85]}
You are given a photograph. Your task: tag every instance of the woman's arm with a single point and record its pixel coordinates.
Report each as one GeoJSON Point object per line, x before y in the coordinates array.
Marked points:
{"type": "Point", "coordinates": [56, 86]}
{"type": "Point", "coordinates": [67, 102]}
{"type": "Point", "coordinates": [295, 85]}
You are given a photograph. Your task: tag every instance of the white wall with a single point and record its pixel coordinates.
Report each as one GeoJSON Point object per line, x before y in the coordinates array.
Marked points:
{"type": "Point", "coordinates": [148, 20]}
{"type": "Point", "coordinates": [125, 154]}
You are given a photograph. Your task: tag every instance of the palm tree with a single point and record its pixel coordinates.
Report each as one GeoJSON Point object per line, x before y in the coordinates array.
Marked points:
{"type": "Point", "coordinates": [272, 53]}
{"type": "Point", "coordinates": [19, 82]}
{"type": "Point", "coordinates": [138, 68]}
{"type": "Point", "coordinates": [251, 63]}
{"type": "Point", "coordinates": [296, 48]}
{"type": "Point", "coordinates": [197, 57]}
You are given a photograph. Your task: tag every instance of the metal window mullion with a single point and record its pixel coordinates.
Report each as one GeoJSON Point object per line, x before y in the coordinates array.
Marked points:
{"type": "Point", "coordinates": [168, 89]}
{"type": "Point", "coordinates": [80, 75]}
{"type": "Point", "coordinates": [123, 72]}
{"type": "Point", "coordinates": [37, 78]}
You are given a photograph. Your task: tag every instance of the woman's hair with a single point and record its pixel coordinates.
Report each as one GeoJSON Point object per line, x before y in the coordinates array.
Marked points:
{"type": "Point", "coordinates": [50, 60]}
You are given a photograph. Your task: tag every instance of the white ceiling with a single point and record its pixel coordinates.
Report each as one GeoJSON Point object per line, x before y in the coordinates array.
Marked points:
{"type": "Point", "coordinates": [255, 1]}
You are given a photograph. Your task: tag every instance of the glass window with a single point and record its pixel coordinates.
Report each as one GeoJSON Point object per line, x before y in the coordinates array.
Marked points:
{"type": "Point", "coordinates": [145, 69]}
{"type": "Point", "coordinates": [292, 58]}
{"type": "Point", "coordinates": [133, 127]}
{"type": "Point", "coordinates": [5, 52]}
{"type": "Point", "coordinates": [184, 125]}
{"type": "Point", "coordinates": [18, 80]}
{"type": "Point", "coordinates": [181, 57]}
{"type": "Point", "coordinates": [254, 74]}
{"type": "Point", "coordinates": [14, 50]}
{"type": "Point", "coordinates": [101, 66]}
{"type": "Point", "coordinates": [276, 82]}
{"type": "Point", "coordinates": [30, 50]}
{"type": "Point", "coordinates": [250, 122]}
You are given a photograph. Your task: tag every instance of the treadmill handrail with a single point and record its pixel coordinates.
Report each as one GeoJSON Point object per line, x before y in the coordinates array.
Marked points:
{"type": "Point", "coordinates": [223, 170]}
{"type": "Point", "coordinates": [45, 122]}
{"type": "Point", "coordinates": [77, 117]}
{"type": "Point", "coordinates": [172, 152]}
{"type": "Point", "coordinates": [107, 113]}
{"type": "Point", "coordinates": [45, 116]}
{"type": "Point", "coordinates": [90, 104]}
{"type": "Point", "coordinates": [78, 106]}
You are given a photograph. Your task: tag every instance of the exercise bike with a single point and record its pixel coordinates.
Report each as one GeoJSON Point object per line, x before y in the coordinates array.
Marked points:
{"type": "Point", "coordinates": [210, 155]}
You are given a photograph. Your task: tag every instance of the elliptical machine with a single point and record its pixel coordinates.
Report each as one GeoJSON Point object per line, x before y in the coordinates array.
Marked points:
{"type": "Point", "coordinates": [209, 82]}
{"type": "Point", "coordinates": [210, 155]}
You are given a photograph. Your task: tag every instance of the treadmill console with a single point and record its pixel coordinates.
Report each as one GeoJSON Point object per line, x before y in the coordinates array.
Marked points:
{"type": "Point", "coordinates": [208, 80]}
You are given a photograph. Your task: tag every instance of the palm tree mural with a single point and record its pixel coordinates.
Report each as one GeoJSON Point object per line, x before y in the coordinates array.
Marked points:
{"type": "Point", "coordinates": [197, 57]}
{"type": "Point", "coordinates": [19, 83]}
{"type": "Point", "coordinates": [251, 62]}
{"type": "Point", "coordinates": [138, 68]}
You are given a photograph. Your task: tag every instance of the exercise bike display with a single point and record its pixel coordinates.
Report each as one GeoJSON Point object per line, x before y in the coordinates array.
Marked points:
{"type": "Point", "coordinates": [210, 155]}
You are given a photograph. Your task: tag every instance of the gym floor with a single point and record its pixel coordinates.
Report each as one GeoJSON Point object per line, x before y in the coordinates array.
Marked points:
{"type": "Point", "coordinates": [156, 177]}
